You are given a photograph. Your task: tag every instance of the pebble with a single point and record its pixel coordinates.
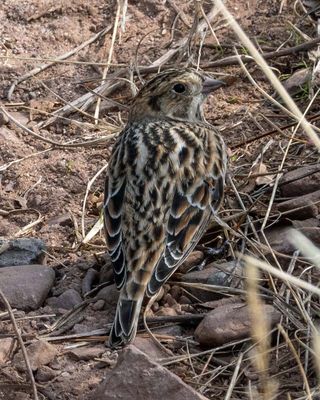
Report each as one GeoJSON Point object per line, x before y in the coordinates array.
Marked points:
{"type": "Point", "coordinates": [7, 346]}
{"type": "Point", "coordinates": [87, 353]}
{"type": "Point", "coordinates": [109, 295]}
{"type": "Point", "coordinates": [67, 300]}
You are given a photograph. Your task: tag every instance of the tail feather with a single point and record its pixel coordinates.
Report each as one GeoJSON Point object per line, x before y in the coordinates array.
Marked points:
{"type": "Point", "coordinates": [125, 322]}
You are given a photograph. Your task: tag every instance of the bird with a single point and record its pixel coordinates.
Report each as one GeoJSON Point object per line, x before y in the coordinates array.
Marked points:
{"type": "Point", "coordinates": [165, 180]}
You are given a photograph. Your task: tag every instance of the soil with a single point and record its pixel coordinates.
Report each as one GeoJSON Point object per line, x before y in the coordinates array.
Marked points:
{"type": "Point", "coordinates": [42, 187]}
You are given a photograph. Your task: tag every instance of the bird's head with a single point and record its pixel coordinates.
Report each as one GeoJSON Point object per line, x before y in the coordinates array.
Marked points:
{"type": "Point", "coordinates": [176, 94]}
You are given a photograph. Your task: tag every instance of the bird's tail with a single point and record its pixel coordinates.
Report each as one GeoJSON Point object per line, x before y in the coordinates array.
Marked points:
{"type": "Point", "coordinates": [125, 322]}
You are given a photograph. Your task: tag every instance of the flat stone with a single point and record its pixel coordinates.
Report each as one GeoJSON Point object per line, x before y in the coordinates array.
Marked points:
{"type": "Point", "coordinates": [220, 274]}
{"type": "Point", "coordinates": [137, 377]}
{"type": "Point", "coordinates": [87, 353]}
{"type": "Point", "coordinates": [302, 207]}
{"type": "Point", "coordinates": [149, 347]}
{"type": "Point", "coordinates": [230, 322]}
{"type": "Point", "coordinates": [300, 181]}
{"type": "Point", "coordinates": [26, 287]}
{"type": "Point", "coordinates": [67, 300]}
{"type": "Point", "coordinates": [21, 252]}
{"type": "Point", "coordinates": [7, 345]}
{"type": "Point", "coordinates": [39, 353]}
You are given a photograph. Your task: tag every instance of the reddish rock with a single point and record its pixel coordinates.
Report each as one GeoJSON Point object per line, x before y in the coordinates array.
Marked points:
{"type": "Point", "coordinates": [27, 286]}
{"type": "Point", "coordinates": [7, 345]}
{"type": "Point", "coordinates": [137, 377]}
{"type": "Point", "coordinates": [39, 353]}
{"type": "Point", "coordinates": [228, 323]}
{"type": "Point", "coordinates": [87, 353]}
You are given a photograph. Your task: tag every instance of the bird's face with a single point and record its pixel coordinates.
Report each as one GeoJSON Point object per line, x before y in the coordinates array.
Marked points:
{"type": "Point", "coordinates": [173, 94]}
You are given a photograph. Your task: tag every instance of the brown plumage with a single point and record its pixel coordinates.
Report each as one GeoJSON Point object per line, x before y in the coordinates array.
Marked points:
{"type": "Point", "coordinates": [165, 179]}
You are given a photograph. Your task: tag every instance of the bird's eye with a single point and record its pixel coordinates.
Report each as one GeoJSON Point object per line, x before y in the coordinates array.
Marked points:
{"type": "Point", "coordinates": [179, 88]}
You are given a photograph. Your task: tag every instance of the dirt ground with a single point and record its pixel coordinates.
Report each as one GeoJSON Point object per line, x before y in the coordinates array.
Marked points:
{"type": "Point", "coordinates": [45, 185]}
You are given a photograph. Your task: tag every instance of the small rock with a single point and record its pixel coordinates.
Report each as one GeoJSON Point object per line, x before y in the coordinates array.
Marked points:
{"type": "Point", "coordinates": [195, 258]}
{"type": "Point", "coordinates": [39, 353]}
{"type": "Point", "coordinates": [168, 299]}
{"type": "Point", "coordinates": [67, 300]}
{"type": "Point", "coordinates": [228, 323]}
{"type": "Point", "coordinates": [21, 252]}
{"type": "Point", "coordinates": [296, 82]}
{"type": "Point", "coordinates": [87, 353]}
{"type": "Point", "coordinates": [149, 347]}
{"type": "Point", "coordinates": [175, 292]}
{"type": "Point", "coordinates": [300, 181]}
{"type": "Point", "coordinates": [45, 374]}
{"type": "Point", "coordinates": [63, 220]}
{"type": "Point", "coordinates": [302, 207]}
{"type": "Point", "coordinates": [184, 300]}
{"type": "Point", "coordinates": [98, 305]}
{"type": "Point", "coordinates": [223, 274]}
{"type": "Point", "coordinates": [137, 377]}
{"type": "Point", "coordinates": [7, 345]}
{"type": "Point", "coordinates": [27, 286]}
{"type": "Point", "coordinates": [110, 295]}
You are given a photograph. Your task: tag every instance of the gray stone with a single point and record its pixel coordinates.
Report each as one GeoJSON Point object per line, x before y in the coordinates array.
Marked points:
{"type": "Point", "coordinates": [45, 374]}
{"type": "Point", "coordinates": [220, 274]}
{"type": "Point", "coordinates": [39, 353]}
{"type": "Point", "coordinates": [230, 322]}
{"type": "Point", "coordinates": [67, 300]}
{"type": "Point", "coordinates": [296, 82]}
{"type": "Point", "coordinates": [137, 377]}
{"type": "Point", "coordinates": [110, 295]}
{"type": "Point", "coordinates": [302, 207]}
{"type": "Point", "coordinates": [26, 287]}
{"type": "Point", "coordinates": [300, 181]}
{"type": "Point", "coordinates": [21, 252]}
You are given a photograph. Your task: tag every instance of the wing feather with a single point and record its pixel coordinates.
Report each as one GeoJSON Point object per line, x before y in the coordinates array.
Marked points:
{"type": "Point", "coordinates": [189, 216]}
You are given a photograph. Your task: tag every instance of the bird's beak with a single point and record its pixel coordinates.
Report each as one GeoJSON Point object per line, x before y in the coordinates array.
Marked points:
{"type": "Point", "coordinates": [209, 85]}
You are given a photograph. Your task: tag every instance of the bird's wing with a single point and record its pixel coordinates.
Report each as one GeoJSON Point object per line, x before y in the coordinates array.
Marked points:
{"type": "Point", "coordinates": [188, 218]}
{"type": "Point", "coordinates": [115, 185]}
